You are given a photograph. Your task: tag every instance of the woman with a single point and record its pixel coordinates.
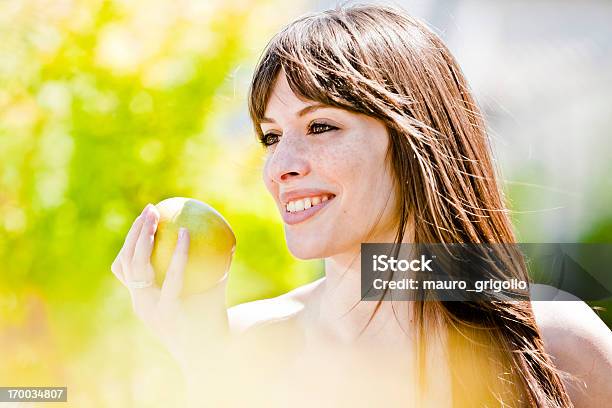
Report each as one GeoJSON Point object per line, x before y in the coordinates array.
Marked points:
{"type": "Point", "coordinates": [372, 135]}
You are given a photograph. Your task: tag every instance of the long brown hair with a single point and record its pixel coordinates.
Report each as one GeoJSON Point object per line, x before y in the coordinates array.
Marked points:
{"type": "Point", "coordinates": [381, 62]}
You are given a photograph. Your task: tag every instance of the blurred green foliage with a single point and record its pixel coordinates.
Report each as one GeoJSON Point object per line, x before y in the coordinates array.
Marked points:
{"type": "Point", "coordinates": [530, 225]}
{"type": "Point", "coordinates": [106, 106]}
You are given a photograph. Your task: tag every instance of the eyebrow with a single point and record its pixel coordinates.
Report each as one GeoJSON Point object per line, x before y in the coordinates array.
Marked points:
{"type": "Point", "coordinates": [301, 112]}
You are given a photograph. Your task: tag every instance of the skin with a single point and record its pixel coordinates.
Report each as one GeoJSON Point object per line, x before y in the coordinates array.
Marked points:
{"type": "Point", "coordinates": [345, 161]}
{"type": "Point", "coordinates": [580, 344]}
{"type": "Point", "coordinates": [333, 150]}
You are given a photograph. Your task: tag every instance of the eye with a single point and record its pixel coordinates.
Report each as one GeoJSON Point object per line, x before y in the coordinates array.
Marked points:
{"type": "Point", "coordinates": [269, 139]}
{"type": "Point", "coordinates": [316, 128]}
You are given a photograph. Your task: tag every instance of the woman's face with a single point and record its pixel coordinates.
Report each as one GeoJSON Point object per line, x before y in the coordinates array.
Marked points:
{"type": "Point", "coordinates": [326, 169]}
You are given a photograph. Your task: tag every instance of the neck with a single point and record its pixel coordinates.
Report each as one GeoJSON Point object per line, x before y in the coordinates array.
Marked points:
{"type": "Point", "coordinates": [342, 314]}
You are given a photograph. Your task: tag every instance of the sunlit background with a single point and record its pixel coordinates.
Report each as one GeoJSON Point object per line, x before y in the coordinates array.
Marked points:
{"type": "Point", "coordinates": [106, 106]}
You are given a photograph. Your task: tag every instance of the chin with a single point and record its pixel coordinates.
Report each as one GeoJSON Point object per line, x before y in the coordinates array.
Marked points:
{"type": "Point", "coordinates": [313, 248]}
{"type": "Point", "coordinates": [305, 252]}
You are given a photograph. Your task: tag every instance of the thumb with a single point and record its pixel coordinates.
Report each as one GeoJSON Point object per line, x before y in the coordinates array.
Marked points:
{"type": "Point", "coordinates": [173, 283]}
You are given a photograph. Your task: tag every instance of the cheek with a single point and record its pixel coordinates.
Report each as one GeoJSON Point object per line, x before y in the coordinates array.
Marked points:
{"type": "Point", "coordinates": [361, 165]}
{"type": "Point", "coordinates": [342, 162]}
{"type": "Point", "coordinates": [271, 186]}
{"type": "Point", "coordinates": [366, 180]}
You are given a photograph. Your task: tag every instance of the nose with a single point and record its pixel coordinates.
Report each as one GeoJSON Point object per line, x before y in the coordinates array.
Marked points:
{"type": "Point", "coordinates": [289, 161]}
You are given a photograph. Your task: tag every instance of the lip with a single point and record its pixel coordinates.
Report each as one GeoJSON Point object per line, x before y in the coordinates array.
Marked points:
{"type": "Point", "coordinates": [292, 195]}
{"type": "Point", "coordinates": [301, 216]}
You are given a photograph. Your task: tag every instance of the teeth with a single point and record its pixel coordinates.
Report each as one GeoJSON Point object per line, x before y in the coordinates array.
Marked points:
{"type": "Point", "coordinates": [305, 203]}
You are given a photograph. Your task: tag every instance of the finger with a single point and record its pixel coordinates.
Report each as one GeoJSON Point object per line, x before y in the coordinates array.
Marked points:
{"type": "Point", "coordinates": [119, 264]}
{"type": "Point", "coordinates": [173, 283]}
{"type": "Point", "coordinates": [141, 269]}
{"type": "Point", "coordinates": [127, 251]}
{"type": "Point", "coordinates": [117, 270]}
{"type": "Point", "coordinates": [144, 301]}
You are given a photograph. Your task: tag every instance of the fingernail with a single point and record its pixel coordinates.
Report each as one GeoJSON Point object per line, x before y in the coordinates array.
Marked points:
{"type": "Point", "coordinates": [182, 233]}
{"type": "Point", "coordinates": [146, 210]}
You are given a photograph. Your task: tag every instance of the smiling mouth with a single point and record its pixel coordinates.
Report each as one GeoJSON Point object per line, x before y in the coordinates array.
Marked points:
{"type": "Point", "coordinates": [296, 206]}
{"type": "Point", "coordinates": [300, 210]}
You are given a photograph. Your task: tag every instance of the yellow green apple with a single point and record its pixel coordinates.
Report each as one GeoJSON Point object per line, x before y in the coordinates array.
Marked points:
{"type": "Point", "coordinates": [211, 247]}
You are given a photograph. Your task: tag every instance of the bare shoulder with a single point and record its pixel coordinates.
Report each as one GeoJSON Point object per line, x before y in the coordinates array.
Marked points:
{"type": "Point", "coordinates": [285, 307]}
{"type": "Point", "coordinates": [580, 344]}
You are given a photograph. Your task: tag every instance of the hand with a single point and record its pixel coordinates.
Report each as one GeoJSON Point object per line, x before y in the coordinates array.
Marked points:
{"type": "Point", "coordinates": [189, 327]}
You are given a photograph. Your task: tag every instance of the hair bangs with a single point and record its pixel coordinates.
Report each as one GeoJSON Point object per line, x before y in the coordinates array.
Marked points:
{"type": "Point", "coordinates": [316, 55]}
